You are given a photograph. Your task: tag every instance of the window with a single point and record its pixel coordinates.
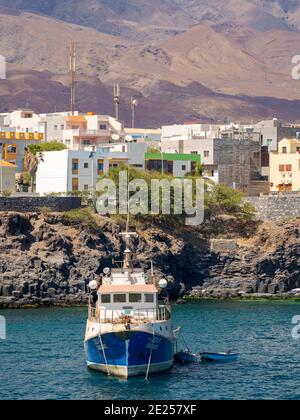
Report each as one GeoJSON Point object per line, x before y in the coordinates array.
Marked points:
{"type": "Point", "coordinates": [86, 165]}
{"type": "Point", "coordinates": [68, 142]}
{"type": "Point", "coordinates": [281, 168]}
{"type": "Point", "coordinates": [62, 127]}
{"type": "Point", "coordinates": [206, 153]}
{"type": "Point", "coordinates": [102, 126]}
{"type": "Point", "coordinates": [149, 298]}
{"type": "Point", "coordinates": [269, 142]}
{"type": "Point", "coordinates": [183, 167]}
{"type": "Point", "coordinates": [288, 168]}
{"type": "Point", "coordinates": [284, 150]}
{"type": "Point", "coordinates": [119, 298]}
{"type": "Point", "coordinates": [86, 187]}
{"type": "Point", "coordinates": [135, 298]}
{"type": "Point", "coordinates": [194, 153]}
{"type": "Point", "coordinates": [105, 299]}
{"type": "Point", "coordinates": [100, 167]}
{"type": "Point", "coordinates": [75, 166]}
{"type": "Point", "coordinates": [55, 127]}
{"type": "Point", "coordinates": [12, 149]}
{"type": "Point", "coordinates": [86, 142]}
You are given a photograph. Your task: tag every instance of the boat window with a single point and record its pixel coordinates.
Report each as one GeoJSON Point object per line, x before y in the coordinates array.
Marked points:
{"type": "Point", "coordinates": [119, 298]}
{"type": "Point", "coordinates": [135, 298]}
{"type": "Point", "coordinates": [149, 298]}
{"type": "Point", "coordinates": [105, 298]}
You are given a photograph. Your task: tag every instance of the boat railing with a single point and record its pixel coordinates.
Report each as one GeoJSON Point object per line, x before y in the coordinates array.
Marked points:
{"type": "Point", "coordinates": [125, 316]}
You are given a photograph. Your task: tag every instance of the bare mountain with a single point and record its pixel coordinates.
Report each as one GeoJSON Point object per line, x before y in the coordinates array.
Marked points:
{"type": "Point", "coordinates": [184, 59]}
{"type": "Point", "coordinates": [116, 16]}
{"type": "Point", "coordinates": [134, 19]}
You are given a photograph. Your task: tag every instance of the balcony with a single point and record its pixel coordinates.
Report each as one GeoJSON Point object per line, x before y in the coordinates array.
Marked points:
{"type": "Point", "coordinates": [81, 132]}
{"type": "Point", "coordinates": [12, 135]}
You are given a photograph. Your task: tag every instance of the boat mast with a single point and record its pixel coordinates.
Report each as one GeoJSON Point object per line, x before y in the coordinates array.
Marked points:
{"type": "Point", "coordinates": [127, 261]}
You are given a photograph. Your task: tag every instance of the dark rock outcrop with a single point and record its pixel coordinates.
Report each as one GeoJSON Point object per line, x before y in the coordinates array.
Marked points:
{"type": "Point", "coordinates": [48, 260]}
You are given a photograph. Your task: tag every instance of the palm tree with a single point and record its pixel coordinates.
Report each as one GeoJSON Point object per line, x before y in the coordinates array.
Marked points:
{"type": "Point", "coordinates": [31, 163]}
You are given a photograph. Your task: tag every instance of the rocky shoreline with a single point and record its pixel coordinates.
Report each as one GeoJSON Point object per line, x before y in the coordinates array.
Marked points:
{"type": "Point", "coordinates": [48, 259]}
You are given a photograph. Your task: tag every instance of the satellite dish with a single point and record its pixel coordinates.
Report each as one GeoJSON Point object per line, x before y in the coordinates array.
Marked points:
{"type": "Point", "coordinates": [106, 270]}
{"type": "Point", "coordinates": [115, 137]}
{"type": "Point", "coordinates": [163, 284]}
{"type": "Point", "coordinates": [129, 138]}
{"type": "Point", "coordinates": [93, 285]}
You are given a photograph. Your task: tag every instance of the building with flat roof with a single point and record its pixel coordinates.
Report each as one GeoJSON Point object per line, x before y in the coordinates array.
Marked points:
{"type": "Point", "coordinates": [14, 143]}
{"type": "Point", "coordinates": [176, 164]}
{"type": "Point", "coordinates": [79, 170]}
{"type": "Point", "coordinates": [285, 166]}
{"type": "Point", "coordinates": [91, 130]}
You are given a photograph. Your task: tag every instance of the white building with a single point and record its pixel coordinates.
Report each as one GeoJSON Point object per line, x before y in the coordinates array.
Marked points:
{"type": "Point", "coordinates": [194, 139]}
{"type": "Point", "coordinates": [91, 130]}
{"type": "Point", "coordinates": [79, 170]}
{"type": "Point", "coordinates": [69, 170]}
{"type": "Point", "coordinates": [23, 120]}
{"type": "Point", "coordinates": [54, 124]}
{"type": "Point", "coordinates": [189, 131]}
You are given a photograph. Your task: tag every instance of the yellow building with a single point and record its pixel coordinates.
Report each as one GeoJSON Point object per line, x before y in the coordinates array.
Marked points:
{"type": "Point", "coordinates": [13, 144]}
{"type": "Point", "coordinates": [7, 176]}
{"type": "Point", "coordinates": [285, 166]}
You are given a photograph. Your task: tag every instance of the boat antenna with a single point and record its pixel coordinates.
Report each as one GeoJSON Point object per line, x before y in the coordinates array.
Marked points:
{"type": "Point", "coordinates": [127, 262]}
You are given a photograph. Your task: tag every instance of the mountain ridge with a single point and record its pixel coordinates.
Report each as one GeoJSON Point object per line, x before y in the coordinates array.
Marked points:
{"type": "Point", "coordinates": [217, 48]}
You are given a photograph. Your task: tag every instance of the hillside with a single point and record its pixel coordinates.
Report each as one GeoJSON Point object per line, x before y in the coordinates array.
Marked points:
{"type": "Point", "coordinates": [235, 54]}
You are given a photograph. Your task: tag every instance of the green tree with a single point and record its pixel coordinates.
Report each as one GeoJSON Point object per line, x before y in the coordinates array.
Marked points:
{"type": "Point", "coordinates": [51, 146]}
{"type": "Point", "coordinates": [223, 200]}
{"type": "Point", "coordinates": [226, 210]}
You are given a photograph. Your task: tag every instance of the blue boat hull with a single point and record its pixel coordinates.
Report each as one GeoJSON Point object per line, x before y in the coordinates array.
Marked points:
{"type": "Point", "coordinates": [219, 357]}
{"type": "Point", "coordinates": [128, 353]}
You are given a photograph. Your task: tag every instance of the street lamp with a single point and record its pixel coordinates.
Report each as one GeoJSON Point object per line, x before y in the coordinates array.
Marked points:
{"type": "Point", "coordinates": [134, 103]}
{"type": "Point", "coordinates": [117, 99]}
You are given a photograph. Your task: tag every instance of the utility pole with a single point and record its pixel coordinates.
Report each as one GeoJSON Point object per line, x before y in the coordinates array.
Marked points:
{"type": "Point", "coordinates": [72, 75]}
{"type": "Point", "coordinates": [134, 104]}
{"type": "Point", "coordinates": [117, 99]}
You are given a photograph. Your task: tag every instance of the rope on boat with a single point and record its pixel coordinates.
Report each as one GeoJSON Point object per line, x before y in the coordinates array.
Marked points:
{"type": "Point", "coordinates": [104, 355]}
{"type": "Point", "coordinates": [150, 357]}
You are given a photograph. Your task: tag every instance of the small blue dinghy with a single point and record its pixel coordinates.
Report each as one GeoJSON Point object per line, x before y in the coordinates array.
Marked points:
{"type": "Point", "coordinates": [219, 357]}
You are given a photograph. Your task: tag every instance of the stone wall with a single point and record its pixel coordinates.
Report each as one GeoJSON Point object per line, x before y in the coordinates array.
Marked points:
{"type": "Point", "coordinates": [276, 207]}
{"type": "Point", "coordinates": [35, 204]}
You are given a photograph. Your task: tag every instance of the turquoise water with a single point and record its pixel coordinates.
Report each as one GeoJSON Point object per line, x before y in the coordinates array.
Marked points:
{"type": "Point", "coordinates": [43, 356]}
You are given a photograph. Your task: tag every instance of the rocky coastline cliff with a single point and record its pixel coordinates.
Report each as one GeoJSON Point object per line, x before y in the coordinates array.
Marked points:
{"type": "Point", "coordinates": [48, 259]}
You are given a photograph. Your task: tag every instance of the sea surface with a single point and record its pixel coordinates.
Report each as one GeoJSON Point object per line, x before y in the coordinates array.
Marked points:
{"type": "Point", "coordinates": [43, 356]}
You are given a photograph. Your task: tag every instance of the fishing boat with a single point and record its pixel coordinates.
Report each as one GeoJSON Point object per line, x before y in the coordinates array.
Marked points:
{"type": "Point", "coordinates": [219, 357]}
{"type": "Point", "coordinates": [129, 328]}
